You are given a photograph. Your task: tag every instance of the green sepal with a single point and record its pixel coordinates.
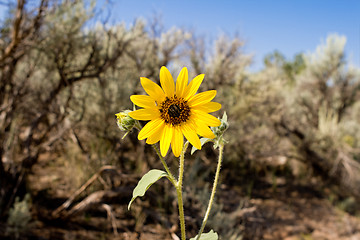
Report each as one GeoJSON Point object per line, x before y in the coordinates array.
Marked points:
{"type": "Point", "coordinates": [207, 236]}
{"type": "Point", "coordinates": [145, 183]}
{"type": "Point", "coordinates": [202, 141]}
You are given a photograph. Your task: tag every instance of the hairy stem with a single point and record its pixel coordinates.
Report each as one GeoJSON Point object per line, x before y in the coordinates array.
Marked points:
{"type": "Point", "coordinates": [212, 196]}
{"type": "Point", "coordinates": [167, 169]}
{"type": "Point", "coordinates": [171, 176]}
{"type": "Point", "coordinates": [179, 192]}
{"type": "Point", "coordinates": [177, 184]}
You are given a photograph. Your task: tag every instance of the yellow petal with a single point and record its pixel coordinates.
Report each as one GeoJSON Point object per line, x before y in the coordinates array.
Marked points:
{"type": "Point", "coordinates": [208, 107]}
{"type": "Point", "coordinates": [193, 86]}
{"type": "Point", "coordinates": [152, 89]}
{"type": "Point", "coordinates": [145, 114]}
{"type": "Point", "coordinates": [166, 139]}
{"type": "Point", "coordinates": [167, 82]}
{"type": "Point", "coordinates": [155, 136]}
{"type": "Point", "coordinates": [143, 101]}
{"type": "Point", "coordinates": [203, 130]}
{"type": "Point", "coordinates": [201, 98]}
{"type": "Point", "coordinates": [151, 128]}
{"type": "Point", "coordinates": [182, 82]}
{"type": "Point", "coordinates": [177, 142]}
{"type": "Point", "coordinates": [205, 118]}
{"type": "Point", "coordinates": [191, 135]}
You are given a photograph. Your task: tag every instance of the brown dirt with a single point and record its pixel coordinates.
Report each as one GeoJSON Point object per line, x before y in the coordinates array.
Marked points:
{"type": "Point", "coordinates": [299, 218]}
{"type": "Point", "coordinates": [286, 212]}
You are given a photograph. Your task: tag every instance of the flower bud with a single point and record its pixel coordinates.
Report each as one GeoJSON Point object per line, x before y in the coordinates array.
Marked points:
{"type": "Point", "coordinates": [219, 131]}
{"type": "Point", "coordinates": [124, 121]}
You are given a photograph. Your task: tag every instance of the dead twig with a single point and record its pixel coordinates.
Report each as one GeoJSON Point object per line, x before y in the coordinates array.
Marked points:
{"type": "Point", "coordinates": [66, 204]}
{"type": "Point", "coordinates": [111, 217]}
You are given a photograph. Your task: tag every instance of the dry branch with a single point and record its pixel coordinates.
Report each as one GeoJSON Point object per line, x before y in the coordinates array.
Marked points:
{"type": "Point", "coordinates": [92, 198]}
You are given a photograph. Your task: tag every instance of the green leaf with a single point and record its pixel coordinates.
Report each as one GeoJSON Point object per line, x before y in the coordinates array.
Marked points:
{"type": "Point", "coordinates": [145, 182]}
{"type": "Point", "coordinates": [202, 141]}
{"type": "Point", "coordinates": [208, 236]}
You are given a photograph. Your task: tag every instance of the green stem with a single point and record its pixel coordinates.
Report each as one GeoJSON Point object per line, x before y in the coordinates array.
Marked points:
{"type": "Point", "coordinates": [179, 192]}
{"type": "Point", "coordinates": [212, 196]}
{"type": "Point", "coordinates": [171, 176]}
{"type": "Point", "coordinates": [177, 184]}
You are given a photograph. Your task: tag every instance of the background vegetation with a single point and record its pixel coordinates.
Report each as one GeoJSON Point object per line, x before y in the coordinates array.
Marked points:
{"type": "Point", "coordinates": [294, 130]}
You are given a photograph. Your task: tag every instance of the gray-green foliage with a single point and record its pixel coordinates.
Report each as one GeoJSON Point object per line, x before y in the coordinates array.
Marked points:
{"type": "Point", "coordinates": [66, 76]}
{"type": "Point", "coordinates": [322, 105]}
{"type": "Point", "coordinates": [19, 216]}
{"type": "Point", "coordinates": [207, 236]}
{"type": "Point", "coordinates": [308, 115]}
{"type": "Point", "coordinates": [145, 182]}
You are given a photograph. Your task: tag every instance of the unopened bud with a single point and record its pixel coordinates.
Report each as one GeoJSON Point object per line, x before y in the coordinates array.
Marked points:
{"type": "Point", "coordinates": [219, 131]}
{"type": "Point", "coordinates": [124, 121]}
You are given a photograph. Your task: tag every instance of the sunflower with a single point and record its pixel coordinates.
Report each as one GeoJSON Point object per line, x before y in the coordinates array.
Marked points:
{"type": "Point", "coordinates": [175, 111]}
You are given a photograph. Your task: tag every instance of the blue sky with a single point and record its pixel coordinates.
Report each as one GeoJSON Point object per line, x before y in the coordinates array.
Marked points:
{"type": "Point", "coordinates": [288, 26]}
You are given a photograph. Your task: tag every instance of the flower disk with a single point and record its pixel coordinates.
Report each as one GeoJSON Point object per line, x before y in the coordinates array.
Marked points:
{"type": "Point", "coordinates": [175, 111]}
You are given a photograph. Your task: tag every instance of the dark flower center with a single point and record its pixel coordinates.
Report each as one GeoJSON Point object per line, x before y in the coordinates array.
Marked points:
{"type": "Point", "coordinates": [174, 110]}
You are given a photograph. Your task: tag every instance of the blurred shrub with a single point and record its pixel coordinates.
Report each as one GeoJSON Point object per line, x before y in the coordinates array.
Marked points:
{"type": "Point", "coordinates": [19, 217]}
